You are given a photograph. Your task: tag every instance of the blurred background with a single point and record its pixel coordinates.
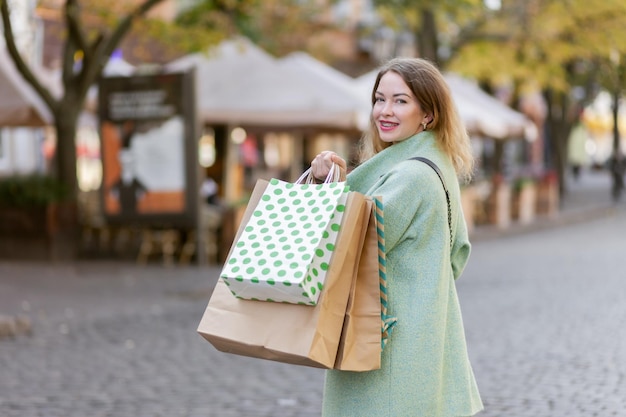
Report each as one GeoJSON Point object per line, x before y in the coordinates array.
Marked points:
{"type": "Point", "coordinates": [137, 129]}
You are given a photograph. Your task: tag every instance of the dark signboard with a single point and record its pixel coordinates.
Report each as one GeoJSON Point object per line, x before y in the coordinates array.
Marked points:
{"type": "Point", "coordinates": [148, 127]}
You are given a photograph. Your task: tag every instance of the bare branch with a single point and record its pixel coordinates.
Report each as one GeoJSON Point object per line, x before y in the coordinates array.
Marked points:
{"type": "Point", "coordinates": [96, 52]}
{"type": "Point", "coordinates": [75, 41]}
{"type": "Point", "coordinates": [67, 68]}
{"type": "Point", "coordinates": [125, 25]}
{"type": "Point", "coordinates": [104, 46]}
{"type": "Point", "coordinates": [473, 32]}
{"type": "Point", "coordinates": [92, 65]}
{"type": "Point", "coordinates": [74, 31]}
{"type": "Point", "coordinates": [22, 67]}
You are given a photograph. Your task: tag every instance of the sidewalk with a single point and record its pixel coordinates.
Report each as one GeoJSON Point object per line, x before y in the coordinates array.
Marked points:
{"type": "Point", "coordinates": [586, 199]}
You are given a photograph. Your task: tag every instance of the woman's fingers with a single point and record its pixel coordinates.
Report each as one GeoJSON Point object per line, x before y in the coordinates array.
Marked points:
{"type": "Point", "coordinates": [339, 161]}
{"type": "Point", "coordinates": [322, 163]}
{"type": "Point", "coordinates": [341, 164]}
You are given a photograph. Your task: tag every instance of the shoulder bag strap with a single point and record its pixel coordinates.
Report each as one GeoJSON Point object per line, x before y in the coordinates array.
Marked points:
{"type": "Point", "coordinates": [440, 175]}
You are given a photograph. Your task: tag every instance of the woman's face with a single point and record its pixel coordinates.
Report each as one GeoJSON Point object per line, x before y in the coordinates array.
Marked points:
{"type": "Point", "coordinates": [396, 112]}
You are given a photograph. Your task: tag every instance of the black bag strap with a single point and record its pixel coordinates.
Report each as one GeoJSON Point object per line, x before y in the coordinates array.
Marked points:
{"type": "Point", "coordinates": [440, 175]}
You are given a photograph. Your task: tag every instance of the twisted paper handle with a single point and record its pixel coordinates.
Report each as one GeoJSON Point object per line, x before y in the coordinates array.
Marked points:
{"type": "Point", "coordinates": [334, 175]}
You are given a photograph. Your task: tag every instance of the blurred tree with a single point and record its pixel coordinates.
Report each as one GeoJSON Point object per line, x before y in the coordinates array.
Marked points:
{"type": "Point", "coordinates": [93, 29]}
{"type": "Point", "coordinates": [609, 64]}
{"type": "Point", "coordinates": [278, 26]}
{"type": "Point", "coordinates": [85, 53]}
{"type": "Point", "coordinates": [556, 45]}
{"type": "Point", "coordinates": [613, 74]}
{"type": "Point", "coordinates": [439, 27]}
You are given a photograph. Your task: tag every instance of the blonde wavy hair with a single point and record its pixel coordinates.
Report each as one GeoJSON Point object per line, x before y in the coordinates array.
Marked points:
{"type": "Point", "coordinates": [433, 95]}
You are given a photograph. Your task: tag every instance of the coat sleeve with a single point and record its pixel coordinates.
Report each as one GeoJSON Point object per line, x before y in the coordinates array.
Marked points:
{"type": "Point", "coordinates": [460, 256]}
{"type": "Point", "coordinates": [461, 247]}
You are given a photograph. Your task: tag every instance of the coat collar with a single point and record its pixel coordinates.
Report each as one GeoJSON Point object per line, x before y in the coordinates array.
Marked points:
{"type": "Point", "coordinates": [422, 144]}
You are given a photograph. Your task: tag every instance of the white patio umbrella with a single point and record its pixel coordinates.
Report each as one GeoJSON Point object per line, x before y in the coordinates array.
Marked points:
{"type": "Point", "coordinates": [238, 83]}
{"type": "Point", "coordinates": [320, 73]}
{"type": "Point", "coordinates": [484, 114]}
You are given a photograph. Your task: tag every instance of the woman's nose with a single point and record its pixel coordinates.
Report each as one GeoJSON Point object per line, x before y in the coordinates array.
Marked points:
{"type": "Point", "coordinates": [387, 108]}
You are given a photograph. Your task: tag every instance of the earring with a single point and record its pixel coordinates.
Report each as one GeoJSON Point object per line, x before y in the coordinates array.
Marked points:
{"type": "Point", "coordinates": [424, 125]}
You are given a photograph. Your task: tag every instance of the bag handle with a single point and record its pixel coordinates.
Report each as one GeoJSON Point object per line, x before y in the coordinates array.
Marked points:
{"type": "Point", "coordinates": [334, 175]}
{"type": "Point", "coordinates": [440, 175]}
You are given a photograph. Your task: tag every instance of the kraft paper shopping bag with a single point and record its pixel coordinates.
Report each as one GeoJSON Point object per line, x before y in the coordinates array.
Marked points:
{"type": "Point", "coordinates": [361, 340]}
{"type": "Point", "coordinates": [291, 333]}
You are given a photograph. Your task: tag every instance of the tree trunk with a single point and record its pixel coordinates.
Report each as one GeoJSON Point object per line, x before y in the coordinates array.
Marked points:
{"type": "Point", "coordinates": [557, 123]}
{"type": "Point", "coordinates": [615, 116]}
{"type": "Point", "coordinates": [618, 164]}
{"type": "Point", "coordinates": [66, 120]}
{"type": "Point", "coordinates": [427, 37]}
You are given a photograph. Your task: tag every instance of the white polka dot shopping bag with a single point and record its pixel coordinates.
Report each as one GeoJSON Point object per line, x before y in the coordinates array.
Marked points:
{"type": "Point", "coordinates": [302, 334]}
{"type": "Point", "coordinates": [284, 250]}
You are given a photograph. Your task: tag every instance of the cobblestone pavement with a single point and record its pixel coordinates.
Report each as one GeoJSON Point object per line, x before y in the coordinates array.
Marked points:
{"type": "Point", "coordinates": [120, 340]}
{"type": "Point", "coordinates": [545, 314]}
{"type": "Point", "coordinates": [545, 320]}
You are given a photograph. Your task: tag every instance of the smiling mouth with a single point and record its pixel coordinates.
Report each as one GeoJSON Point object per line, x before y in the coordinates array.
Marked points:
{"type": "Point", "coordinates": [387, 125]}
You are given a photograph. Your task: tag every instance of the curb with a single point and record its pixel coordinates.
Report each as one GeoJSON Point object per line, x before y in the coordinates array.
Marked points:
{"type": "Point", "coordinates": [563, 218]}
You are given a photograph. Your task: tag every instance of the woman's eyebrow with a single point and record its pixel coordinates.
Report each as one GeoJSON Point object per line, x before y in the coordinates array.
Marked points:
{"type": "Point", "coordinates": [378, 93]}
{"type": "Point", "coordinates": [395, 94]}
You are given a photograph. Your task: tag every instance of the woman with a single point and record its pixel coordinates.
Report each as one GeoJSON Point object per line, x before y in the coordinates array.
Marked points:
{"type": "Point", "coordinates": [425, 369]}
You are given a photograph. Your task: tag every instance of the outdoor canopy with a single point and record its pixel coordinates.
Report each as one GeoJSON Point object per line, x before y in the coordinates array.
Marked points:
{"type": "Point", "coordinates": [319, 72]}
{"type": "Point", "coordinates": [486, 115]}
{"type": "Point", "coordinates": [238, 83]}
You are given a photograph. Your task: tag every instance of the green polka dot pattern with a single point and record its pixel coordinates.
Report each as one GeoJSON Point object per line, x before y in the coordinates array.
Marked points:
{"type": "Point", "coordinates": [284, 250]}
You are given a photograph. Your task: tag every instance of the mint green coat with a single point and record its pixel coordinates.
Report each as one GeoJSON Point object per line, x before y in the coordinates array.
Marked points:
{"type": "Point", "coordinates": [425, 369]}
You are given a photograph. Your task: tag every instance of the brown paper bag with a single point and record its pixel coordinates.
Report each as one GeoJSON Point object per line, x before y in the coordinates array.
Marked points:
{"type": "Point", "coordinates": [360, 346]}
{"type": "Point", "coordinates": [296, 334]}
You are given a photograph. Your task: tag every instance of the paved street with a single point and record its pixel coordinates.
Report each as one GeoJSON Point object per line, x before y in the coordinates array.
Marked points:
{"type": "Point", "coordinates": [545, 314]}
{"type": "Point", "coordinates": [545, 320]}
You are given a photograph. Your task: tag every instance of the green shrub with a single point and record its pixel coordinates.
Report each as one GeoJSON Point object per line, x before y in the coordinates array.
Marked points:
{"type": "Point", "coordinates": [31, 190]}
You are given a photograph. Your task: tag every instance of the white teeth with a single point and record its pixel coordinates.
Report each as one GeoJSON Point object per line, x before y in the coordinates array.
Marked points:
{"type": "Point", "coordinates": [388, 124]}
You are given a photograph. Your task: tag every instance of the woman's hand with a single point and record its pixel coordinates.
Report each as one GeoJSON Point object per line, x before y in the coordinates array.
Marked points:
{"type": "Point", "coordinates": [320, 166]}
